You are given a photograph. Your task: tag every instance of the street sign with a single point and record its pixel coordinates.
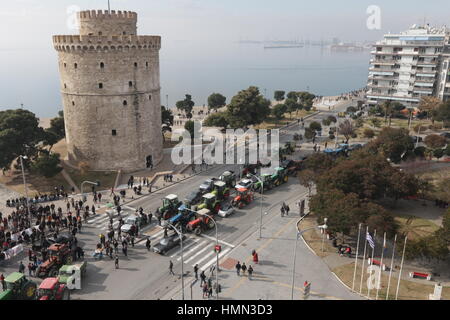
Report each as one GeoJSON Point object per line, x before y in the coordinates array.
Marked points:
{"type": "Point", "coordinates": [307, 290]}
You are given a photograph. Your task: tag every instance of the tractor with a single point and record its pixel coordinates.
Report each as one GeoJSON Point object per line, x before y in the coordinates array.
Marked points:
{"type": "Point", "coordinates": [59, 255]}
{"type": "Point", "coordinates": [221, 190]}
{"type": "Point", "coordinates": [243, 198]}
{"type": "Point", "coordinates": [210, 202]}
{"type": "Point", "coordinates": [250, 168]}
{"type": "Point", "coordinates": [292, 166]}
{"type": "Point", "coordinates": [201, 222]}
{"type": "Point", "coordinates": [169, 208]}
{"type": "Point", "coordinates": [18, 287]}
{"type": "Point", "coordinates": [279, 176]}
{"type": "Point", "coordinates": [52, 289]}
{"type": "Point", "coordinates": [229, 177]}
{"type": "Point", "coordinates": [181, 219]}
{"type": "Point", "coordinates": [267, 183]}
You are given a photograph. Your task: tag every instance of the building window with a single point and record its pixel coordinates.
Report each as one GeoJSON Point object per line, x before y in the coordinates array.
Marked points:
{"type": "Point", "coordinates": [114, 132]}
{"type": "Point", "coordinates": [73, 103]}
{"type": "Point", "coordinates": [75, 65]}
{"type": "Point", "coordinates": [65, 86]}
{"type": "Point", "coordinates": [130, 84]}
{"type": "Point", "coordinates": [150, 97]}
{"type": "Point", "coordinates": [102, 65]}
{"type": "Point", "coordinates": [146, 64]}
{"type": "Point", "coordinates": [100, 33]}
{"type": "Point", "coordinates": [125, 102]}
{"type": "Point", "coordinates": [65, 65]}
{"type": "Point", "coordinates": [135, 64]}
{"type": "Point", "coordinates": [124, 33]}
{"type": "Point", "coordinates": [100, 85]}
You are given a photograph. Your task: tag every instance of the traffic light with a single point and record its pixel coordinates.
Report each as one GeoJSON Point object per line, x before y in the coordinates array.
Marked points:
{"type": "Point", "coordinates": [218, 248]}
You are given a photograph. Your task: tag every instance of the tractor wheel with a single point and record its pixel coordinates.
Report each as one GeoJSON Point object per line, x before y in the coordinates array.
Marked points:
{"type": "Point", "coordinates": [65, 295]}
{"type": "Point", "coordinates": [210, 224]}
{"type": "Point", "coordinates": [217, 208]}
{"type": "Point", "coordinates": [29, 291]}
{"type": "Point", "coordinates": [241, 205]}
{"type": "Point", "coordinates": [69, 259]}
{"type": "Point", "coordinates": [198, 231]}
{"type": "Point", "coordinates": [233, 203]}
{"type": "Point", "coordinates": [53, 273]}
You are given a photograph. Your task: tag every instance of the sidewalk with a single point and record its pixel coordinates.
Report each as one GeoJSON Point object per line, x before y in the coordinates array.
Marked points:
{"type": "Point", "coordinates": [272, 277]}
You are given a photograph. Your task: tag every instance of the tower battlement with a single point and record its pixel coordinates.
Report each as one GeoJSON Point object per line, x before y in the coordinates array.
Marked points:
{"type": "Point", "coordinates": [102, 14]}
{"type": "Point", "coordinates": [90, 43]}
{"type": "Point", "coordinates": [99, 22]}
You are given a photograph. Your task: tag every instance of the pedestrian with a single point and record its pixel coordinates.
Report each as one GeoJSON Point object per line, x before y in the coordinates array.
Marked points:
{"type": "Point", "coordinates": [238, 268]}
{"type": "Point", "coordinates": [196, 271]}
{"type": "Point", "coordinates": [171, 268]}
{"type": "Point", "coordinates": [243, 268]}
{"type": "Point", "coordinates": [116, 261]}
{"type": "Point", "coordinates": [282, 211]}
{"type": "Point", "coordinates": [159, 220]}
{"type": "Point", "coordinates": [30, 268]}
{"type": "Point", "coordinates": [210, 291]}
{"type": "Point", "coordinates": [132, 241]}
{"type": "Point", "coordinates": [250, 272]}
{"type": "Point", "coordinates": [202, 278]}
{"type": "Point", "coordinates": [287, 209]}
{"type": "Point", "coordinates": [21, 267]}
{"type": "Point", "coordinates": [2, 280]}
{"type": "Point", "coordinates": [255, 257]}
{"type": "Point", "coordinates": [99, 197]}
{"type": "Point", "coordinates": [148, 244]}
{"type": "Point", "coordinates": [205, 290]}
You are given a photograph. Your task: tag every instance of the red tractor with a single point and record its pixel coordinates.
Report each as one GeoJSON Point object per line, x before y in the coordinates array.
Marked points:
{"type": "Point", "coordinates": [59, 255]}
{"type": "Point", "coordinates": [51, 289]}
{"type": "Point", "coordinates": [243, 198]}
{"type": "Point", "coordinates": [201, 222]}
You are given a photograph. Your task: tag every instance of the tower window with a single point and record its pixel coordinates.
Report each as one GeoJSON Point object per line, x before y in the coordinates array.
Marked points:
{"type": "Point", "coordinates": [102, 65]}
{"type": "Point", "coordinates": [100, 33]}
{"type": "Point", "coordinates": [125, 102]}
{"type": "Point", "coordinates": [146, 64]}
{"type": "Point", "coordinates": [65, 86]}
{"type": "Point", "coordinates": [65, 64]}
{"type": "Point", "coordinates": [100, 85]}
{"type": "Point", "coordinates": [135, 64]}
{"type": "Point", "coordinates": [124, 33]}
{"type": "Point", "coordinates": [114, 132]}
{"type": "Point", "coordinates": [75, 65]}
{"type": "Point", "coordinates": [130, 83]}
{"type": "Point", "coordinates": [150, 97]}
{"type": "Point", "coordinates": [73, 103]}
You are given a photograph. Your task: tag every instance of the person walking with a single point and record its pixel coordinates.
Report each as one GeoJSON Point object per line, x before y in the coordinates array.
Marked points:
{"type": "Point", "coordinates": [250, 272]}
{"type": "Point", "coordinates": [282, 211]}
{"type": "Point", "coordinates": [205, 290]}
{"type": "Point", "coordinates": [196, 271]}
{"type": "Point", "coordinates": [21, 267]}
{"type": "Point", "coordinates": [243, 268]}
{"type": "Point", "coordinates": [148, 244]}
{"type": "Point", "coordinates": [171, 268]}
{"type": "Point", "coordinates": [2, 280]}
{"type": "Point", "coordinates": [286, 208]}
{"type": "Point", "coordinates": [116, 261]}
{"type": "Point", "coordinates": [210, 291]}
{"type": "Point", "coordinates": [238, 268]}
{"type": "Point", "coordinates": [255, 257]}
{"type": "Point", "coordinates": [202, 278]}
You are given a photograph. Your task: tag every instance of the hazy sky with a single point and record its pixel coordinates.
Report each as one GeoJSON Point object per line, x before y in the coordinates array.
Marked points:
{"type": "Point", "coordinates": [26, 23]}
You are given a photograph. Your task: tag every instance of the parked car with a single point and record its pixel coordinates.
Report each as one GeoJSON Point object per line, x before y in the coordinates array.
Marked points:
{"type": "Point", "coordinates": [414, 139]}
{"type": "Point", "coordinates": [130, 221]}
{"type": "Point", "coordinates": [246, 183]}
{"type": "Point", "coordinates": [207, 186]}
{"type": "Point", "coordinates": [168, 243]}
{"type": "Point", "coordinates": [226, 210]}
{"type": "Point", "coordinates": [193, 198]}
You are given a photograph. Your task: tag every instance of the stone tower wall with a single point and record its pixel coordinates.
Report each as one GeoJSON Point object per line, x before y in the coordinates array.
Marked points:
{"type": "Point", "coordinates": [111, 82]}
{"type": "Point", "coordinates": [105, 23]}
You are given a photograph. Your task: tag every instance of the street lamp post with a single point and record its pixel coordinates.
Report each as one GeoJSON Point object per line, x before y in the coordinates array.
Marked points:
{"type": "Point", "coordinates": [217, 252]}
{"type": "Point", "coordinates": [25, 182]}
{"type": "Point", "coordinates": [261, 213]}
{"type": "Point", "coordinates": [299, 233]}
{"type": "Point", "coordinates": [182, 261]}
{"type": "Point", "coordinates": [97, 183]}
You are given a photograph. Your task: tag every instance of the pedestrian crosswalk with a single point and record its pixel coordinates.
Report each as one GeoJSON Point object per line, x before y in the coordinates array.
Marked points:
{"type": "Point", "coordinates": [196, 250]}
{"type": "Point", "coordinates": [101, 220]}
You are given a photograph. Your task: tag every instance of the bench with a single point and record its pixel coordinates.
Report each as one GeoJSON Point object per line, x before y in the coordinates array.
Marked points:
{"type": "Point", "coordinates": [420, 275]}
{"type": "Point", "coordinates": [377, 263]}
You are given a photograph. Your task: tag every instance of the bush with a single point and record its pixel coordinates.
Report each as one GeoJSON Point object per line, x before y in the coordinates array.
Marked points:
{"type": "Point", "coordinates": [369, 133]}
{"type": "Point", "coordinates": [420, 151]}
{"type": "Point", "coordinates": [326, 122]}
{"type": "Point", "coordinates": [359, 123]}
{"type": "Point", "coordinates": [315, 126]}
{"type": "Point", "coordinates": [309, 134]}
{"type": "Point", "coordinates": [436, 126]}
{"type": "Point", "coordinates": [435, 141]}
{"type": "Point", "coordinates": [447, 150]}
{"type": "Point", "coordinates": [421, 127]}
{"type": "Point", "coordinates": [438, 153]}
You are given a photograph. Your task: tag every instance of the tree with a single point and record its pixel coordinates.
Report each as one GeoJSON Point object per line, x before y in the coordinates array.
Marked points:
{"type": "Point", "coordinates": [19, 135]}
{"type": "Point", "coordinates": [279, 95]}
{"type": "Point", "coordinates": [217, 119]}
{"type": "Point", "coordinates": [315, 126]}
{"type": "Point", "coordinates": [435, 141]}
{"type": "Point", "coordinates": [369, 133]}
{"type": "Point", "coordinates": [309, 134]}
{"type": "Point", "coordinates": [166, 119]}
{"type": "Point", "coordinates": [393, 143]}
{"type": "Point", "coordinates": [291, 106]}
{"type": "Point", "coordinates": [351, 109]}
{"type": "Point", "coordinates": [246, 108]}
{"type": "Point", "coordinates": [376, 123]}
{"type": "Point", "coordinates": [347, 129]}
{"type": "Point", "coordinates": [319, 163]}
{"type": "Point", "coordinates": [49, 138]}
{"type": "Point", "coordinates": [326, 122]}
{"type": "Point", "coordinates": [279, 110]}
{"type": "Point", "coordinates": [57, 126]}
{"type": "Point", "coordinates": [186, 105]}
{"type": "Point", "coordinates": [306, 99]}
{"type": "Point", "coordinates": [332, 119]}
{"type": "Point", "coordinates": [47, 164]}
{"type": "Point", "coordinates": [387, 109]}
{"type": "Point", "coordinates": [292, 95]}
{"type": "Point", "coordinates": [429, 104]}
{"type": "Point", "coordinates": [216, 101]}
{"type": "Point", "coordinates": [443, 113]}
{"type": "Point", "coordinates": [306, 178]}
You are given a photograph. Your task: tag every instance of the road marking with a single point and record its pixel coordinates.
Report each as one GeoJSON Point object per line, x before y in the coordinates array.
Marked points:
{"type": "Point", "coordinates": [194, 241]}
{"type": "Point", "coordinates": [213, 260]}
{"type": "Point", "coordinates": [220, 241]}
{"type": "Point", "coordinates": [192, 257]}
{"type": "Point", "coordinates": [205, 257]}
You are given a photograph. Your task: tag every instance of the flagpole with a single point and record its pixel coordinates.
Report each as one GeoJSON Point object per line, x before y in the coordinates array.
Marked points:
{"type": "Point", "coordinates": [401, 268]}
{"type": "Point", "coordinates": [390, 269]}
{"type": "Point", "coordinates": [356, 258]}
{"type": "Point", "coordinates": [373, 252]}
{"type": "Point", "coordinates": [364, 260]}
{"type": "Point", "coordinates": [381, 265]}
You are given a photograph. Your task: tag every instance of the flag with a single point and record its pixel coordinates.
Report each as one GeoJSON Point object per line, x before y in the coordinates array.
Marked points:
{"type": "Point", "coordinates": [370, 240]}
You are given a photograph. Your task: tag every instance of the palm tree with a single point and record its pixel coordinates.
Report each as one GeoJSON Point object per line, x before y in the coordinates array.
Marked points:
{"type": "Point", "coordinates": [387, 107]}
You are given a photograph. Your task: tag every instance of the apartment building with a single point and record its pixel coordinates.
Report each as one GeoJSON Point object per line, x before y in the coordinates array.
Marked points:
{"type": "Point", "coordinates": [407, 66]}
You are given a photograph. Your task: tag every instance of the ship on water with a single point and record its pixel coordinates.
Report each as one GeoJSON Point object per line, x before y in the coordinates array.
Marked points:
{"type": "Point", "coordinates": [285, 46]}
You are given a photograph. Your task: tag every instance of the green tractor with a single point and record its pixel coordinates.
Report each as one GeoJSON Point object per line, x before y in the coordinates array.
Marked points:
{"type": "Point", "coordinates": [229, 177]}
{"type": "Point", "coordinates": [210, 202]}
{"type": "Point", "coordinates": [18, 287]}
{"type": "Point", "coordinates": [267, 183]}
{"type": "Point", "coordinates": [221, 190]}
{"type": "Point", "coordinates": [169, 208]}
{"type": "Point", "coordinates": [280, 176]}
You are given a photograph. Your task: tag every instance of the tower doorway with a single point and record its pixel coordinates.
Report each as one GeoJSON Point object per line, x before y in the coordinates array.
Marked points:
{"type": "Point", "coordinates": [149, 162]}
